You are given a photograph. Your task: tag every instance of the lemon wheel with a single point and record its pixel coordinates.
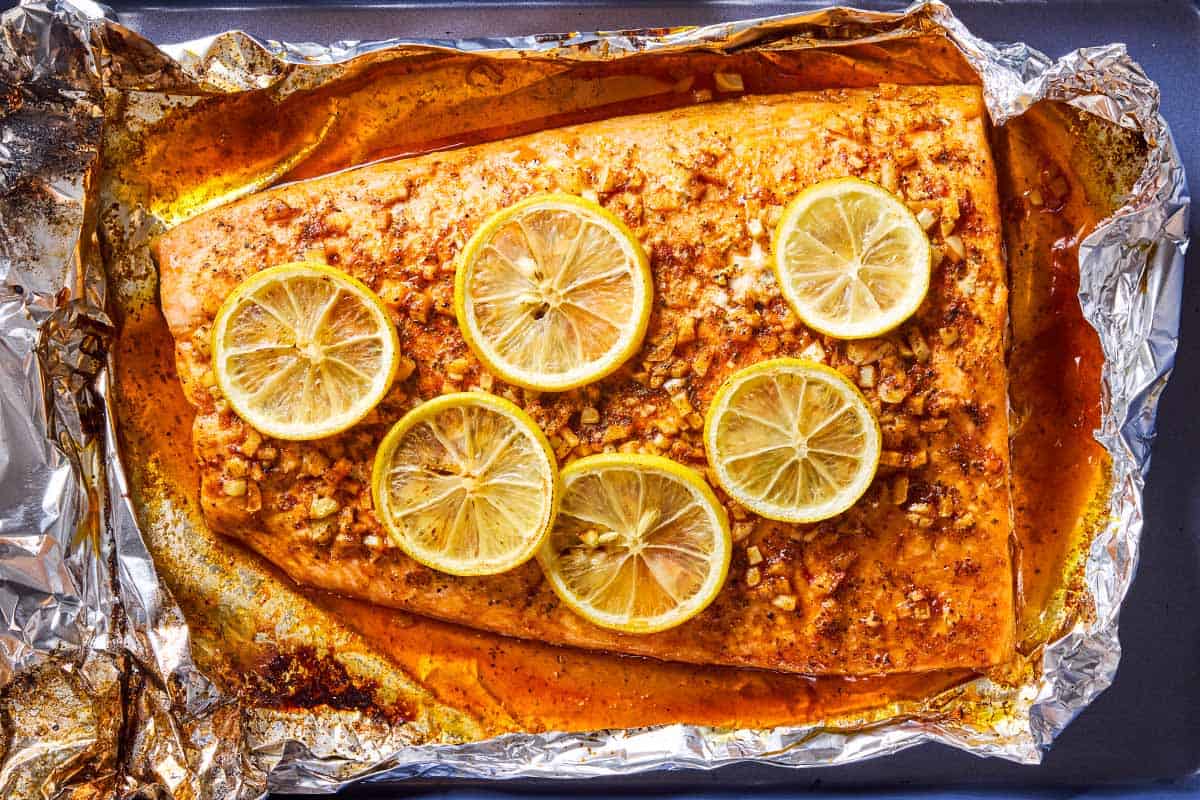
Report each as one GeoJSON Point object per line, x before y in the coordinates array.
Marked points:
{"type": "Point", "coordinates": [792, 440]}
{"type": "Point", "coordinates": [466, 484]}
{"type": "Point", "coordinates": [303, 351]}
{"type": "Point", "coordinates": [553, 292]}
{"type": "Point", "coordinates": [641, 543]}
{"type": "Point", "coordinates": [851, 259]}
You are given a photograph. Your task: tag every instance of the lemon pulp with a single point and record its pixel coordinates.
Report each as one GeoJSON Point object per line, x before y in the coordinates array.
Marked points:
{"type": "Point", "coordinates": [851, 259]}
{"type": "Point", "coordinates": [641, 543]}
{"type": "Point", "coordinates": [792, 440]}
{"type": "Point", "coordinates": [466, 484]}
{"type": "Point", "coordinates": [303, 351]}
{"type": "Point", "coordinates": [553, 293]}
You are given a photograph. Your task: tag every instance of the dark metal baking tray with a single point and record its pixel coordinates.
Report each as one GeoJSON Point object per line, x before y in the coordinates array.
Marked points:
{"type": "Point", "coordinates": [1142, 736]}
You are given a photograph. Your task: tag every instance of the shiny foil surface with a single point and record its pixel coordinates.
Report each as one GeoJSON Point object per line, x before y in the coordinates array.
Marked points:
{"type": "Point", "coordinates": [101, 696]}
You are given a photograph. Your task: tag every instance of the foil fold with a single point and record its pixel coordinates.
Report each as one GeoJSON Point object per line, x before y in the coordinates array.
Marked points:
{"type": "Point", "coordinates": [91, 631]}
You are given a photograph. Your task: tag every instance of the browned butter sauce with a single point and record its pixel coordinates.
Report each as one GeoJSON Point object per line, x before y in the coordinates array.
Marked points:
{"type": "Point", "coordinates": [1053, 191]}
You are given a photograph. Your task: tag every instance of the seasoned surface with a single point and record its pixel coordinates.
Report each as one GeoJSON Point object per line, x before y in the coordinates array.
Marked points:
{"type": "Point", "coordinates": [916, 576]}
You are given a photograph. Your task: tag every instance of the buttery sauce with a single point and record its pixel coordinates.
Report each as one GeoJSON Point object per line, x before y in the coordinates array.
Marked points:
{"type": "Point", "coordinates": [1050, 203]}
{"type": "Point", "coordinates": [1050, 194]}
{"type": "Point", "coordinates": [221, 147]}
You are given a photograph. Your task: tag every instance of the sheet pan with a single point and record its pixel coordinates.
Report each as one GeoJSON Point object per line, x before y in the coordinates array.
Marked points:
{"type": "Point", "coordinates": [474, 19]}
{"type": "Point", "coordinates": [1139, 730]}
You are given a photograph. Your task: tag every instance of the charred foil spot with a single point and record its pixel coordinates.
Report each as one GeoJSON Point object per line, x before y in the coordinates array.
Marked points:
{"type": "Point", "coordinates": [304, 679]}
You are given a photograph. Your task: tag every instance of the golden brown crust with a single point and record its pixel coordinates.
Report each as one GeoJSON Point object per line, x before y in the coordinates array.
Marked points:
{"type": "Point", "coordinates": [916, 576]}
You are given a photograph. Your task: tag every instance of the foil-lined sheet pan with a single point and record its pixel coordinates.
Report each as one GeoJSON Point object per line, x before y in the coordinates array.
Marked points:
{"type": "Point", "coordinates": [101, 692]}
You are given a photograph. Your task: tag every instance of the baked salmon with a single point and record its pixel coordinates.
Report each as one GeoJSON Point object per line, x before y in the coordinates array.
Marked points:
{"type": "Point", "coordinates": [916, 576]}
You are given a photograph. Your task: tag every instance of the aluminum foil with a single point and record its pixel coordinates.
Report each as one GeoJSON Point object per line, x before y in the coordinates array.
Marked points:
{"type": "Point", "coordinates": [100, 690]}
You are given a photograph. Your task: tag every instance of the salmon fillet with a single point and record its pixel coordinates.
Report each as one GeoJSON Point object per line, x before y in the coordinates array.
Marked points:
{"type": "Point", "coordinates": [916, 576]}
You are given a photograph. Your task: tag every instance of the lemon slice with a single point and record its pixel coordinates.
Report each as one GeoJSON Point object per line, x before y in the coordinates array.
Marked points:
{"type": "Point", "coordinates": [553, 293]}
{"type": "Point", "coordinates": [303, 351]}
{"type": "Point", "coordinates": [641, 543]}
{"type": "Point", "coordinates": [466, 484]}
{"type": "Point", "coordinates": [851, 259]}
{"type": "Point", "coordinates": [792, 440]}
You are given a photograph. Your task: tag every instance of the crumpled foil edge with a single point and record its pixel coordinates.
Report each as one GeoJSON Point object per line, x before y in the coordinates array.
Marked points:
{"type": "Point", "coordinates": [87, 598]}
